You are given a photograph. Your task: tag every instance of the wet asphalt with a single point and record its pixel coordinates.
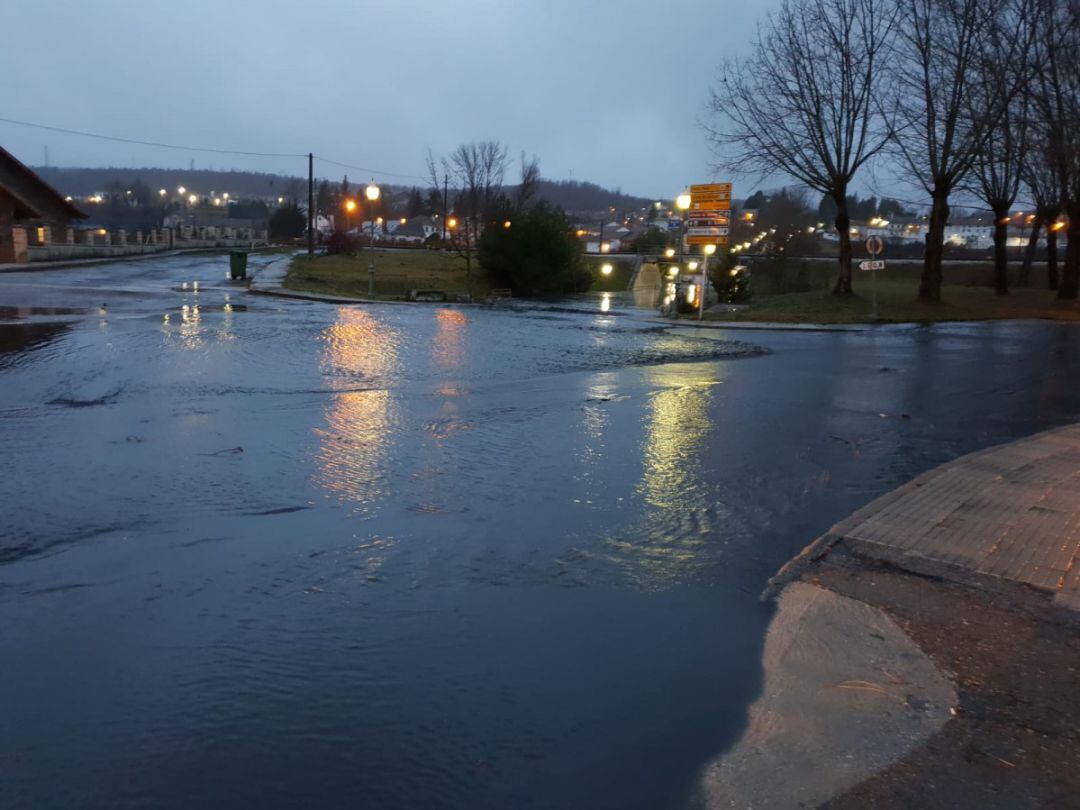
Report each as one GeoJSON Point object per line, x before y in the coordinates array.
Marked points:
{"type": "Point", "coordinates": [257, 552]}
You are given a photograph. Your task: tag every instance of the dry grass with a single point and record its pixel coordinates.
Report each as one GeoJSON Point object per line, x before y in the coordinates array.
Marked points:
{"type": "Point", "coordinates": [897, 304]}
{"type": "Point", "coordinates": [396, 272]}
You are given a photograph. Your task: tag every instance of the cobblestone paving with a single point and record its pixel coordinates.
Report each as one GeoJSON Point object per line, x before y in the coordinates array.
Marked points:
{"type": "Point", "coordinates": [1011, 511]}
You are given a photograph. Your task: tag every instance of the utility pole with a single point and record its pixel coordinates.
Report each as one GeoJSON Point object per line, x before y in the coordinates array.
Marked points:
{"type": "Point", "coordinates": [600, 243]}
{"type": "Point", "coordinates": [445, 204]}
{"type": "Point", "coordinates": [311, 205]}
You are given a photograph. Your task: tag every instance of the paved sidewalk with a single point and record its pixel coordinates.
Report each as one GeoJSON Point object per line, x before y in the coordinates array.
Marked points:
{"type": "Point", "coordinates": [1011, 512]}
{"type": "Point", "coordinates": [974, 562]}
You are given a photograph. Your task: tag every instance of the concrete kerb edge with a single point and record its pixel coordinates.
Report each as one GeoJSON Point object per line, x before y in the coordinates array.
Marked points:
{"type": "Point", "coordinates": [820, 548]}
{"type": "Point", "coordinates": [61, 264]}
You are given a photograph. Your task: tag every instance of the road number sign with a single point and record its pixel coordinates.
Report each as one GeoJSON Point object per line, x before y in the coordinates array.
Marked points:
{"type": "Point", "coordinates": [877, 264]}
{"type": "Point", "coordinates": [874, 246]}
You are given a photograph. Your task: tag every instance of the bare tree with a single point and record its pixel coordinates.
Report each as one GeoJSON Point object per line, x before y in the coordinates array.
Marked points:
{"type": "Point", "coordinates": [999, 165]}
{"type": "Point", "coordinates": [805, 103]}
{"type": "Point", "coordinates": [1057, 98]}
{"type": "Point", "coordinates": [476, 172]}
{"type": "Point", "coordinates": [530, 179]}
{"type": "Point", "coordinates": [945, 111]}
{"type": "Point", "coordinates": [1043, 182]}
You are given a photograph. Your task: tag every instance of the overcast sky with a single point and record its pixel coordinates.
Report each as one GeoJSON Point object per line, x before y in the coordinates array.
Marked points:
{"type": "Point", "coordinates": [611, 91]}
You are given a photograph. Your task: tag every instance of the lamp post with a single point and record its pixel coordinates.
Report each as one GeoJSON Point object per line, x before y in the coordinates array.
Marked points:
{"type": "Point", "coordinates": [709, 251]}
{"type": "Point", "coordinates": [372, 193]}
{"type": "Point", "coordinates": [682, 202]}
{"type": "Point", "coordinates": [350, 206]}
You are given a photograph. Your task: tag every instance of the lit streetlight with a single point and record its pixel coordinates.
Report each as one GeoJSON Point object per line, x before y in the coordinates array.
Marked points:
{"type": "Point", "coordinates": [607, 269]}
{"type": "Point", "coordinates": [162, 192]}
{"type": "Point", "coordinates": [372, 193]}
{"type": "Point", "coordinates": [181, 191]}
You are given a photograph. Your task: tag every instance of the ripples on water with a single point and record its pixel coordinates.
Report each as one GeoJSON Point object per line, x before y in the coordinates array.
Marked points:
{"type": "Point", "coordinates": [411, 557]}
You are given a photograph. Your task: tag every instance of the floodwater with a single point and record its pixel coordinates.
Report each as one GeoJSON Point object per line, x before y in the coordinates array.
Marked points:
{"type": "Point", "coordinates": [267, 553]}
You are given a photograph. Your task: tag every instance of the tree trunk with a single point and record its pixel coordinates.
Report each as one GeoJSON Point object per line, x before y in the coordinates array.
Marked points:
{"type": "Point", "coordinates": [843, 230]}
{"type": "Point", "coordinates": [1051, 259]}
{"type": "Point", "coordinates": [1024, 277]}
{"type": "Point", "coordinates": [1070, 276]}
{"type": "Point", "coordinates": [1001, 251]}
{"type": "Point", "coordinates": [930, 284]}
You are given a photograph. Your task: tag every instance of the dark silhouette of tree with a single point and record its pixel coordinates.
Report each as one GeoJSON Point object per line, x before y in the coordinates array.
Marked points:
{"type": "Point", "coordinates": [415, 205]}
{"type": "Point", "coordinates": [945, 111]}
{"type": "Point", "coordinates": [805, 102]}
{"type": "Point", "coordinates": [1056, 92]}
{"type": "Point", "coordinates": [289, 221]}
{"type": "Point", "coordinates": [537, 254]}
{"type": "Point", "coordinates": [528, 182]}
{"type": "Point", "coordinates": [476, 171]}
{"type": "Point", "coordinates": [1045, 186]}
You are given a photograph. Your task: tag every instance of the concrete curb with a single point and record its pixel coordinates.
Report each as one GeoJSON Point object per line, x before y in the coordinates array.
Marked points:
{"type": "Point", "coordinates": [846, 693]}
{"type": "Point", "coordinates": [33, 267]}
{"type": "Point", "coordinates": [819, 548]}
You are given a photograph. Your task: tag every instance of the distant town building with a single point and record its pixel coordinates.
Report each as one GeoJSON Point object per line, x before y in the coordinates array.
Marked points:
{"type": "Point", "coordinates": [29, 208]}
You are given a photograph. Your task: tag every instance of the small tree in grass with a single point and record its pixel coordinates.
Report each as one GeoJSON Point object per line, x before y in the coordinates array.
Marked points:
{"type": "Point", "coordinates": [288, 222]}
{"type": "Point", "coordinates": [536, 254]}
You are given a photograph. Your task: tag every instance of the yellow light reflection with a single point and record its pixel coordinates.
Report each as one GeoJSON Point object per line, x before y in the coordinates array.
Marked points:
{"type": "Point", "coordinates": [448, 348]}
{"type": "Point", "coordinates": [359, 351]}
{"type": "Point", "coordinates": [668, 543]}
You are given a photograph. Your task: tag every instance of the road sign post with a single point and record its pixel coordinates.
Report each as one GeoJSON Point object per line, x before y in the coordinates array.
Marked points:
{"type": "Point", "coordinates": [874, 246]}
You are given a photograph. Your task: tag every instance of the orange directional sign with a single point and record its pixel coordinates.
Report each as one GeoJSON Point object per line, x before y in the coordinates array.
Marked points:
{"type": "Point", "coordinates": [709, 216]}
{"type": "Point", "coordinates": [703, 190]}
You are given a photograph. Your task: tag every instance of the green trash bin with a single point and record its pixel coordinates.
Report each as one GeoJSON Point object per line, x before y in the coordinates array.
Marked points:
{"type": "Point", "coordinates": [238, 264]}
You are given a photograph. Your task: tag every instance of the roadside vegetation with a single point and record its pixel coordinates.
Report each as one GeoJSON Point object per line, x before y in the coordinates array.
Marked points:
{"type": "Point", "coordinates": [396, 272]}
{"type": "Point", "coordinates": [798, 291]}
{"type": "Point", "coordinates": [970, 101]}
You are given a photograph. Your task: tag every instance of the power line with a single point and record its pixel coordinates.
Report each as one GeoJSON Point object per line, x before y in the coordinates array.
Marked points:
{"type": "Point", "coordinates": [366, 169]}
{"type": "Point", "coordinates": [149, 143]}
{"type": "Point", "coordinates": [180, 147]}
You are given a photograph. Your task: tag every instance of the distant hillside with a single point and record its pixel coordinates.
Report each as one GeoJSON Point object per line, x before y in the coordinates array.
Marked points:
{"type": "Point", "coordinates": [79, 182]}
{"type": "Point", "coordinates": [578, 197]}
{"type": "Point", "coordinates": [572, 196]}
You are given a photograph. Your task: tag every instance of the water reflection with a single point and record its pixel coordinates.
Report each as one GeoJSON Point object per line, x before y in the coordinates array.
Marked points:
{"type": "Point", "coordinates": [448, 348]}
{"type": "Point", "coordinates": [359, 349]}
{"type": "Point", "coordinates": [677, 422]}
{"type": "Point", "coordinates": [682, 511]}
{"type": "Point", "coordinates": [602, 389]}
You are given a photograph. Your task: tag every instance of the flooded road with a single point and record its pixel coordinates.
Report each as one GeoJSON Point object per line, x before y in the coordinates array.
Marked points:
{"type": "Point", "coordinates": [268, 553]}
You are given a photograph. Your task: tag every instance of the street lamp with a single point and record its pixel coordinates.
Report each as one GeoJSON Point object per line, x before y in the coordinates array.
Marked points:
{"type": "Point", "coordinates": [372, 193]}
{"type": "Point", "coordinates": [607, 269]}
{"type": "Point", "coordinates": [682, 202]}
{"type": "Point", "coordinates": [350, 207]}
